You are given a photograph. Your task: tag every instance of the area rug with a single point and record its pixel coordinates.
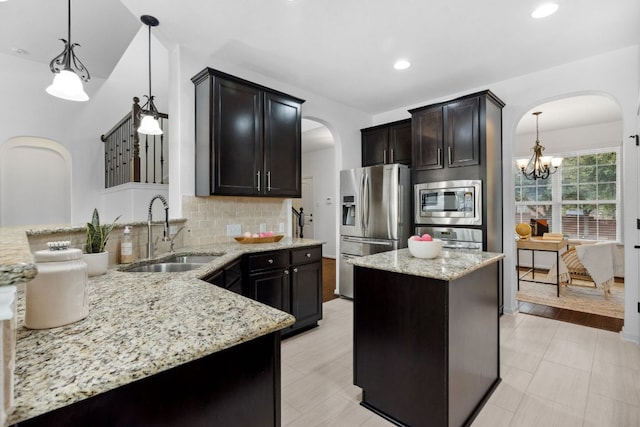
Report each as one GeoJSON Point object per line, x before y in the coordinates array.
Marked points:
{"type": "Point", "coordinates": [578, 297]}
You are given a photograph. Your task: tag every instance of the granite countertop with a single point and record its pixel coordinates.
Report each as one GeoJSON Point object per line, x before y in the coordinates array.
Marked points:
{"type": "Point", "coordinates": [139, 324]}
{"type": "Point", "coordinates": [450, 265]}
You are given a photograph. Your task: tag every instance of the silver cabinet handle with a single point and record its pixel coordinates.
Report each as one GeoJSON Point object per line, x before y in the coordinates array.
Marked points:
{"type": "Point", "coordinates": [268, 180]}
{"type": "Point", "coordinates": [391, 156]}
{"type": "Point", "coordinates": [449, 152]}
{"type": "Point", "coordinates": [286, 272]}
{"type": "Point", "coordinates": [258, 175]}
{"type": "Point", "coordinates": [270, 261]}
{"type": "Point", "coordinates": [384, 156]}
{"type": "Point", "coordinates": [295, 270]}
{"type": "Point", "coordinates": [308, 255]}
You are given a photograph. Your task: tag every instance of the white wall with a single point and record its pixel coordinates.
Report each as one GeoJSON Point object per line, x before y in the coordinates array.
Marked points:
{"type": "Point", "coordinates": [570, 139]}
{"type": "Point", "coordinates": [320, 165]}
{"type": "Point", "coordinates": [614, 74]}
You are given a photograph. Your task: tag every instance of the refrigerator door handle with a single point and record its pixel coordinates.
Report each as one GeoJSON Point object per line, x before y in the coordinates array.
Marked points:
{"type": "Point", "coordinates": [366, 203]}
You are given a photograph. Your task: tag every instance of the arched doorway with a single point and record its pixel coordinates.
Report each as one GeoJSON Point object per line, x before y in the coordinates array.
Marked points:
{"type": "Point", "coordinates": [35, 182]}
{"type": "Point", "coordinates": [582, 200]}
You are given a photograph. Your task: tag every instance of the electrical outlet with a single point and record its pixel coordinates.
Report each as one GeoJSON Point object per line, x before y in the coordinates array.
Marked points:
{"type": "Point", "coordinates": [234, 229]}
{"type": "Point", "coordinates": [263, 227]}
{"type": "Point", "coordinates": [281, 227]}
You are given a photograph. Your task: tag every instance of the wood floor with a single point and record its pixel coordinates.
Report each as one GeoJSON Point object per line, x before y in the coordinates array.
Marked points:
{"type": "Point", "coordinates": [328, 279]}
{"type": "Point", "coordinates": [571, 316]}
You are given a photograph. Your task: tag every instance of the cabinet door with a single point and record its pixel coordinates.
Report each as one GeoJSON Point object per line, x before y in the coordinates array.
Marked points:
{"type": "Point", "coordinates": [462, 129]}
{"type": "Point", "coordinates": [237, 138]}
{"type": "Point", "coordinates": [271, 287]}
{"type": "Point", "coordinates": [375, 144]}
{"type": "Point", "coordinates": [306, 293]}
{"type": "Point", "coordinates": [282, 147]}
{"type": "Point", "coordinates": [427, 139]}
{"type": "Point", "coordinates": [400, 143]}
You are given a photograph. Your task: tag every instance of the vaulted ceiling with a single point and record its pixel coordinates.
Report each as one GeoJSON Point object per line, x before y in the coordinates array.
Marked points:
{"type": "Point", "coordinates": [342, 49]}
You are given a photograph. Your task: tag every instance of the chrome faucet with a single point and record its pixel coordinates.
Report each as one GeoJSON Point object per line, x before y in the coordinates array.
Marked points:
{"type": "Point", "coordinates": [150, 245]}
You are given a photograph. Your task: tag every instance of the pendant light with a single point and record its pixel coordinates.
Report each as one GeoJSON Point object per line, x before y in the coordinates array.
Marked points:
{"type": "Point", "coordinates": [69, 71]}
{"type": "Point", "coordinates": [149, 124]}
{"type": "Point", "coordinates": [539, 166]}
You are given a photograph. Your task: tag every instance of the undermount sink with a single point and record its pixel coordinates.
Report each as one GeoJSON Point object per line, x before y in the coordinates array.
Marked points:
{"type": "Point", "coordinates": [191, 259]}
{"type": "Point", "coordinates": [174, 264]}
{"type": "Point", "coordinates": [164, 267]}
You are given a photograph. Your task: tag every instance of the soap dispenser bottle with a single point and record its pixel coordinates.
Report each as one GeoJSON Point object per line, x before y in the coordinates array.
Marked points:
{"type": "Point", "coordinates": [126, 247]}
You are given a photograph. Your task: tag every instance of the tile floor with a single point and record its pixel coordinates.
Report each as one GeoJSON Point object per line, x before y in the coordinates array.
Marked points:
{"type": "Point", "coordinates": [553, 374]}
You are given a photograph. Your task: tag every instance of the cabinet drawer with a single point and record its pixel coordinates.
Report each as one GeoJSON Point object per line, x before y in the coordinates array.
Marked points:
{"type": "Point", "coordinates": [305, 255]}
{"type": "Point", "coordinates": [268, 260]}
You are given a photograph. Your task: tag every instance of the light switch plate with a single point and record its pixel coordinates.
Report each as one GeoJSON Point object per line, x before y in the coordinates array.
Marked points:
{"type": "Point", "coordinates": [234, 229]}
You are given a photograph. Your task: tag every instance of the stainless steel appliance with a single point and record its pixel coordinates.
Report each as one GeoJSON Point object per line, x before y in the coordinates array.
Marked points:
{"type": "Point", "coordinates": [448, 202]}
{"type": "Point", "coordinates": [455, 238]}
{"type": "Point", "coordinates": [375, 214]}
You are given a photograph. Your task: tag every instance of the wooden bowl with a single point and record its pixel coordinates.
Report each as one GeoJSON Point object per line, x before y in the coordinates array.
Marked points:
{"type": "Point", "coordinates": [270, 239]}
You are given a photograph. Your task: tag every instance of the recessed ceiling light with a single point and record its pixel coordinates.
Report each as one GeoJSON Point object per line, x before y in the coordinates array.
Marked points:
{"type": "Point", "coordinates": [402, 64]}
{"type": "Point", "coordinates": [17, 50]}
{"type": "Point", "coordinates": [544, 10]}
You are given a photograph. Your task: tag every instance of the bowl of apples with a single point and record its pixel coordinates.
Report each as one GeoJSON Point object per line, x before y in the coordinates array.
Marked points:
{"type": "Point", "coordinates": [424, 246]}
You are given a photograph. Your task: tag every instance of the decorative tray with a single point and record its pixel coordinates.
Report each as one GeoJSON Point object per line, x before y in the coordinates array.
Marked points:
{"type": "Point", "coordinates": [270, 239]}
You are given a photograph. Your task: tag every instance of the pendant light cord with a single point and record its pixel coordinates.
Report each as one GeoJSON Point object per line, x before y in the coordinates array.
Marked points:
{"type": "Point", "coordinates": [150, 97]}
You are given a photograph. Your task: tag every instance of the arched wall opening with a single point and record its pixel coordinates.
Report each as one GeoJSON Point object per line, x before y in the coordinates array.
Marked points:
{"type": "Point", "coordinates": [35, 182]}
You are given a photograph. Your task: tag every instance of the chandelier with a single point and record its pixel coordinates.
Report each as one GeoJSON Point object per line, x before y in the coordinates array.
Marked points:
{"type": "Point", "coordinates": [538, 166]}
{"type": "Point", "coordinates": [68, 70]}
{"type": "Point", "coordinates": [149, 124]}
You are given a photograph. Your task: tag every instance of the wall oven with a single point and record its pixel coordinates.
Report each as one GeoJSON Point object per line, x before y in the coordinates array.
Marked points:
{"type": "Point", "coordinates": [449, 203]}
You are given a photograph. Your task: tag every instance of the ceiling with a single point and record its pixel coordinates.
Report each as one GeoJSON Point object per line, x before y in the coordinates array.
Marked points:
{"type": "Point", "coordinates": [341, 49]}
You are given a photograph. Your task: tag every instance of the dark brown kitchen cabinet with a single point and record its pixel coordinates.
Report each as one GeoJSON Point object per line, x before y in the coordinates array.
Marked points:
{"type": "Point", "coordinates": [229, 277]}
{"type": "Point", "coordinates": [386, 144]}
{"type": "Point", "coordinates": [306, 288]}
{"type": "Point", "coordinates": [447, 135]}
{"type": "Point", "coordinates": [289, 280]}
{"type": "Point", "coordinates": [248, 138]}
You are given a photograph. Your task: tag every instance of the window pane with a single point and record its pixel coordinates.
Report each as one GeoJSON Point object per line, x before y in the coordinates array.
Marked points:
{"type": "Point", "coordinates": [568, 162]}
{"type": "Point", "coordinates": [607, 158]}
{"type": "Point", "coordinates": [569, 192]}
{"type": "Point", "coordinates": [528, 194]}
{"type": "Point", "coordinates": [607, 191]}
{"type": "Point", "coordinates": [544, 191]}
{"type": "Point", "coordinates": [569, 175]}
{"type": "Point", "coordinates": [589, 159]}
{"type": "Point", "coordinates": [587, 174]}
{"type": "Point", "coordinates": [607, 173]}
{"type": "Point", "coordinates": [587, 192]}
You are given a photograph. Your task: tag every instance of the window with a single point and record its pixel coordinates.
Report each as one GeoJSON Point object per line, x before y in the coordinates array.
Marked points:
{"type": "Point", "coordinates": [581, 200]}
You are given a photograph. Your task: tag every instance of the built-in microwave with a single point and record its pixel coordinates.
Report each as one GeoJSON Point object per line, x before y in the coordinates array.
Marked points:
{"type": "Point", "coordinates": [449, 202]}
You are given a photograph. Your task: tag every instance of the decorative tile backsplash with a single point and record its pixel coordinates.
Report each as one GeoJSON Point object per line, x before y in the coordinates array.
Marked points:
{"type": "Point", "coordinates": [208, 217]}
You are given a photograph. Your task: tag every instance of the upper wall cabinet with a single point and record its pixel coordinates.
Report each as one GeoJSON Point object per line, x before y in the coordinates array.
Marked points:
{"type": "Point", "coordinates": [447, 135]}
{"type": "Point", "coordinates": [248, 138]}
{"type": "Point", "coordinates": [386, 144]}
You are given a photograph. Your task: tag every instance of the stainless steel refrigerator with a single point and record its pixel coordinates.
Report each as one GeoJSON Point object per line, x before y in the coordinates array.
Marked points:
{"type": "Point", "coordinates": [375, 215]}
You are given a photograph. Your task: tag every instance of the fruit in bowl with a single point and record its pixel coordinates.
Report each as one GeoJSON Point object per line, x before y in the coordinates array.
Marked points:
{"type": "Point", "coordinates": [424, 246]}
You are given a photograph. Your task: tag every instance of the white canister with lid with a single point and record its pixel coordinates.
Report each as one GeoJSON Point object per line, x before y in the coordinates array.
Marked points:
{"type": "Point", "coordinates": [57, 296]}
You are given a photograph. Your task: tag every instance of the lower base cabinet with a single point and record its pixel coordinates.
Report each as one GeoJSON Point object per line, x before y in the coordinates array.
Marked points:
{"type": "Point", "coordinates": [236, 387]}
{"type": "Point", "coordinates": [289, 280]}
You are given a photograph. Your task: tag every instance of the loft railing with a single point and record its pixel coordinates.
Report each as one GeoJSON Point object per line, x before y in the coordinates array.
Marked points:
{"type": "Point", "coordinates": [299, 219]}
{"type": "Point", "coordinates": [132, 157]}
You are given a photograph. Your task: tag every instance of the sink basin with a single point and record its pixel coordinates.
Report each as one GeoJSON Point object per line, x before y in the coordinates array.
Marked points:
{"type": "Point", "coordinates": [191, 259]}
{"type": "Point", "coordinates": [164, 267]}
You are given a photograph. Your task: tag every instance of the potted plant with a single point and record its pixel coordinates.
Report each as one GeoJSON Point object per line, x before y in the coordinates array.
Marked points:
{"type": "Point", "coordinates": [96, 257]}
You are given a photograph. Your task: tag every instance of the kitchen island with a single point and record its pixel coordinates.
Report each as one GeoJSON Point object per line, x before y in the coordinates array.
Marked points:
{"type": "Point", "coordinates": [155, 349]}
{"type": "Point", "coordinates": [426, 335]}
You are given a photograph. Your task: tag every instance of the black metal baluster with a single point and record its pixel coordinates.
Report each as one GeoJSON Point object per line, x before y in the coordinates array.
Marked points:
{"type": "Point", "coordinates": [146, 159]}
{"type": "Point", "coordinates": [162, 151]}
